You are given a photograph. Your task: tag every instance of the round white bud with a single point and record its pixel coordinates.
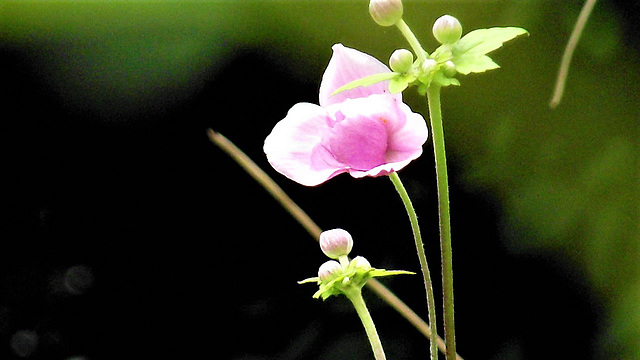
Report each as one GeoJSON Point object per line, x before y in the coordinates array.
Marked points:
{"type": "Point", "coordinates": [386, 12]}
{"type": "Point", "coordinates": [328, 270]}
{"type": "Point", "coordinates": [361, 263]}
{"type": "Point", "coordinates": [335, 243]}
{"type": "Point", "coordinates": [401, 60]}
{"type": "Point", "coordinates": [447, 29]}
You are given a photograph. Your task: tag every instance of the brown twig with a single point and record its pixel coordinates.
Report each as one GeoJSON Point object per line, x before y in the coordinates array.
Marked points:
{"type": "Point", "coordinates": [587, 8]}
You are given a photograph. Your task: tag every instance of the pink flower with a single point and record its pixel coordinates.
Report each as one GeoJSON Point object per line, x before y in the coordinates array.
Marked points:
{"type": "Point", "coordinates": [364, 131]}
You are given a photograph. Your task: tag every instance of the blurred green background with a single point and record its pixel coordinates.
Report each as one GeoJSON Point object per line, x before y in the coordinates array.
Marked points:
{"type": "Point", "coordinates": [560, 185]}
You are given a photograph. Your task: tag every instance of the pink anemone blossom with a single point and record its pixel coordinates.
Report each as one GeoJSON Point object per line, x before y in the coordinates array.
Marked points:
{"type": "Point", "coordinates": [364, 131]}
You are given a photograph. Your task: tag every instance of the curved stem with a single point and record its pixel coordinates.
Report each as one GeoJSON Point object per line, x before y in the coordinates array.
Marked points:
{"type": "Point", "coordinates": [437, 130]}
{"type": "Point", "coordinates": [587, 8]}
{"type": "Point", "coordinates": [361, 308]}
{"type": "Point", "coordinates": [395, 179]}
{"type": "Point", "coordinates": [413, 41]}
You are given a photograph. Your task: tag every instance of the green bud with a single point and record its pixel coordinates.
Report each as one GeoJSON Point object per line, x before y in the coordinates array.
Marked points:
{"type": "Point", "coordinates": [447, 29]}
{"type": "Point", "coordinates": [449, 68]}
{"type": "Point", "coordinates": [385, 12]}
{"type": "Point", "coordinates": [401, 60]}
{"type": "Point", "coordinates": [429, 65]}
{"type": "Point", "coordinates": [335, 243]}
{"type": "Point", "coordinates": [328, 270]}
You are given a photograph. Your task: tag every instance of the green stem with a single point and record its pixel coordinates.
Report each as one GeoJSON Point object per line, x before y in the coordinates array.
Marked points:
{"type": "Point", "coordinates": [395, 179]}
{"type": "Point", "coordinates": [361, 308]}
{"type": "Point", "coordinates": [435, 113]}
{"type": "Point", "coordinates": [413, 41]}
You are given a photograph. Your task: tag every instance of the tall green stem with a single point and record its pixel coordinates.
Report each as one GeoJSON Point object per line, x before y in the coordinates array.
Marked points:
{"type": "Point", "coordinates": [412, 39]}
{"type": "Point", "coordinates": [395, 179]}
{"type": "Point", "coordinates": [435, 113]}
{"type": "Point", "coordinates": [355, 295]}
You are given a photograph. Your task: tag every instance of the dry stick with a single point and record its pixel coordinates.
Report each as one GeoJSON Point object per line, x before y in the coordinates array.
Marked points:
{"type": "Point", "coordinates": [568, 52]}
{"type": "Point", "coordinates": [314, 230]}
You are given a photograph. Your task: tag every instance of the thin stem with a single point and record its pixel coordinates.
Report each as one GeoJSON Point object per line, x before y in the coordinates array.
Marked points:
{"type": "Point", "coordinates": [413, 41]}
{"type": "Point", "coordinates": [587, 8]}
{"type": "Point", "coordinates": [413, 218]}
{"type": "Point", "coordinates": [435, 113]}
{"type": "Point", "coordinates": [314, 230]}
{"type": "Point", "coordinates": [261, 177]}
{"type": "Point", "coordinates": [361, 308]}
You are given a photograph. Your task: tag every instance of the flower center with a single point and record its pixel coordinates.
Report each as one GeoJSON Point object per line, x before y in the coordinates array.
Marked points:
{"type": "Point", "coordinates": [359, 142]}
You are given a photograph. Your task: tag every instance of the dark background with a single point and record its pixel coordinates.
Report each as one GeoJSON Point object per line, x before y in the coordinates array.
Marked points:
{"type": "Point", "coordinates": [128, 234]}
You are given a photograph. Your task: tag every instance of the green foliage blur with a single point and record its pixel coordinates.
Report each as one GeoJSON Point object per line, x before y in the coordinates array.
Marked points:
{"type": "Point", "coordinates": [568, 179]}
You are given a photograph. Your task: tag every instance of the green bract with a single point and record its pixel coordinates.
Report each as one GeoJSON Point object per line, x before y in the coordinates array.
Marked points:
{"type": "Point", "coordinates": [352, 277]}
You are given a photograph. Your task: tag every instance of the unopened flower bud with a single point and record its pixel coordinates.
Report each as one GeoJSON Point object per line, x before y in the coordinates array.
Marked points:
{"type": "Point", "coordinates": [361, 263]}
{"type": "Point", "coordinates": [328, 270]}
{"type": "Point", "coordinates": [385, 12]}
{"type": "Point", "coordinates": [447, 29]}
{"type": "Point", "coordinates": [401, 60]}
{"type": "Point", "coordinates": [335, 243]}
{"type": "Point", "coordinates": [449, 69]}
{"type": "Point", "coordinates": [429, 65]}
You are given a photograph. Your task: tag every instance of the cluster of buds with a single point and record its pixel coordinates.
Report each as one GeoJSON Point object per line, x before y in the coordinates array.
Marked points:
{"type": "Point", "coordinates": [343, 276]}
{"type": "Point", "coordinates": [446, 29]}
{"type": "Point", "coordinates": [455, 55]}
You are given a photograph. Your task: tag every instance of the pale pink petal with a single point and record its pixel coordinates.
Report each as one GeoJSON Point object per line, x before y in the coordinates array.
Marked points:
{"type": "Point", "coordinates": [359, 142]}
{"type": "Point", "coordinates": [405, 132]}
{"type": "Point", "coordinates": [384, 169]}
{"type": "Point", "coordinates": [293, 148]}
{"type": "Point", "coordinates": [345, 66]}
{"type": "Point", "coordinates": [407, 141]}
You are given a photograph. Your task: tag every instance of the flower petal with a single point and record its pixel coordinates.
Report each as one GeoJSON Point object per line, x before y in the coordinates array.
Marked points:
{"type": "Point", "coordinates": [384, 169]}
{"type": "Point", "coordinates": [345, 66]}
{"type": "Point", "coordinates": [405, 131]}
{"type": "Point", "coordinates": [293, 148]}
{"type": "Point", "coordinates": [359, 142]}
{"type": "Point", "coordinates": [406, 141]}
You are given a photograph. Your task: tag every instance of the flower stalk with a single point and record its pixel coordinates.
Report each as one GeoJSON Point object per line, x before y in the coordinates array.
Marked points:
{"type": "Point", "coordinates": [355, 296]}
{"type": "Point", "coordinates": [412, 40]}
{"type": "Point", "coordinates": [437, 130]}
{"type": "Point", "coordinates": [395, 179]}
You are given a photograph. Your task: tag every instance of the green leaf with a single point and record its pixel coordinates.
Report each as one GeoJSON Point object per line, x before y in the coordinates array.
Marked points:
{"type": "Point", "coordinates": [469, 54]}
{"type": "Point", "coordinates": [366, 81]}
{"type": "Point", "coordinates": [472, 63]}
{"type": "Point", "coordinates": [382, 272]}
{"type": "Point", "coordinates": [483, 41]}
{"type": "Point", "coordinates": [308, 280]}
{"type": "Point", "coordinates": [443, 80]}
{"type": "Point", "coordinates": [398, 84]}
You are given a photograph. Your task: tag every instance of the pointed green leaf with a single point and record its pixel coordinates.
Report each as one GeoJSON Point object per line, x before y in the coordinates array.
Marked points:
{"type": "Point", "coordinates": [313, 279]}
{"type": "Point", "coordinates": [382, 272]}
{"type": "Point", "coordinates": [366, 81]}
{"type": "Point", "coordinates": [443, 80]}
{"type": "Point", "coordinates": [469, 63]}
{"type": "Point", "coordinates": [483, 41]}
{"type": "Point", "coordinates": [469, 54]}
{"type": "Point", "coordinates": [398, 84]}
